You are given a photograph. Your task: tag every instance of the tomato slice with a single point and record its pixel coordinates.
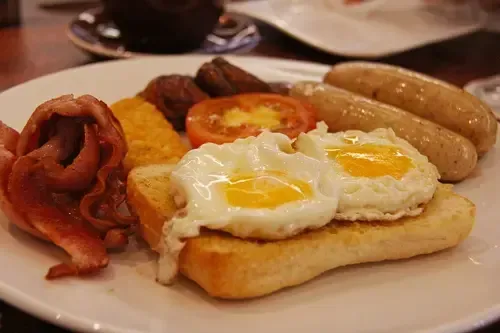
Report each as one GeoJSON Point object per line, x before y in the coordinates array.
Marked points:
{"type": "Point", "coordinates": [225, 119]}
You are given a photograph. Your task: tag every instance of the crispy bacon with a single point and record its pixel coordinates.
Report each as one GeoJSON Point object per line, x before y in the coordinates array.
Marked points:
{"type": "Point", "coordinates": [28, 190]}
{"type": "Point", "coordinates": [62, 180]}
{"type": "Point", "coordinates": [7, 159]}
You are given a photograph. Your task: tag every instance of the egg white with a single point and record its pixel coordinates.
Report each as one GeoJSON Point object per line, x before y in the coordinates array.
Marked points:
{"type": "Point", "coordinates": [377, 198]}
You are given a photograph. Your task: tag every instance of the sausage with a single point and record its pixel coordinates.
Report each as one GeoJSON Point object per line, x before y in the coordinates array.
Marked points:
{"type": "Point", "coordinates": [454, 156]}
{"type": "Point", "coordinates": [424, 96]}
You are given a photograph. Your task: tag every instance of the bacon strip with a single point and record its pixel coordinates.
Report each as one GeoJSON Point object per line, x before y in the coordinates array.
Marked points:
{"type": "Point", "coordinates": [113, 154]}
{"type": "Point", "coordinates": [8, 138]}
{"type": "Point", "coordinates": [28, 190]}
{"type": "Point", "coordinates": [77, 176]}
{"type": "Point", "coordinates": [8, 142]}
{"type": "Point", "coordinates": [62, 180]}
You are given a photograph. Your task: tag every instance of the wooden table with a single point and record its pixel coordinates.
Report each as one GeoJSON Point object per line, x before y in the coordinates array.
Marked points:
{"type": "Point", "coordinates": [40, 47]}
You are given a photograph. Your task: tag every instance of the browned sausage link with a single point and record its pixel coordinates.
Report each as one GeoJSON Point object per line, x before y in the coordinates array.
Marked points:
{"type": "Point", "coordinates": [453, 155]}
{"type": "Point", "coordinates": [424, 96]}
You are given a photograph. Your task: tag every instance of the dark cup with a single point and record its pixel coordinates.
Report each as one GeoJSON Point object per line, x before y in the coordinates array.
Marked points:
{"type": "Point", "coordinates": [9, 12]}
{"type": "Point", "coordinates": [164, 25]}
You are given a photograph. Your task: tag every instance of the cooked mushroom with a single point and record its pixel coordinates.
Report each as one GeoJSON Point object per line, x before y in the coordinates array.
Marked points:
{"type": "Point", "coordinates": [173, 95]}
{"type": "Point", "coordinates": [220, 78]}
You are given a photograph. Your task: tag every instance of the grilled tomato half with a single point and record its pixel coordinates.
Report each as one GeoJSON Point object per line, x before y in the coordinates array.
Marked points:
{"type": "Point", "coordinates": [225, 119]}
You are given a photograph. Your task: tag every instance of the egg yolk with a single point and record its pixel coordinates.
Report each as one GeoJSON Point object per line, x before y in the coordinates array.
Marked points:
{"type": "Point", "coordinates": [268, 189]}
{"type": "Point", "coordinates": [371, 161]}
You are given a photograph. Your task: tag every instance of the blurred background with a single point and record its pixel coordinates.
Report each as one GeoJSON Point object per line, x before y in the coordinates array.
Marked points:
{"type": "Point", "coordinates": [451, 39]}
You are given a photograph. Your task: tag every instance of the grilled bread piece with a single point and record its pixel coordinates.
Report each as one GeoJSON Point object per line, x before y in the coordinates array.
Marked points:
{"type": "Point", "coordinates": [233, 268]}
{"type": "Point", "coordinates": [151, 139]}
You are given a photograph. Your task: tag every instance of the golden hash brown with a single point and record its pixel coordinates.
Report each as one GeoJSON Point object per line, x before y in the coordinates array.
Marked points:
{"type": "Point", "coordinates": [150, 137]}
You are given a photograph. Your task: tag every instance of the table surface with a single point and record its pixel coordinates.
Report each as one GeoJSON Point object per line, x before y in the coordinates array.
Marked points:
{"type": "Point", "coordinates": [39, 46]}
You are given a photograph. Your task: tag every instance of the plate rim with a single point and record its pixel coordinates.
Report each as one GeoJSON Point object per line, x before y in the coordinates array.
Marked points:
{"type": "Point", "coordinates": [202, 57]}
{"type": "Point", "coordinates": [58, 316]}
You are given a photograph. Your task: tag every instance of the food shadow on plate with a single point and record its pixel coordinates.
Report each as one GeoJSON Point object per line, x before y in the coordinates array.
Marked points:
{"type": "Point", "coordinates": [335, 282]}
{"type": "Point", "coordinates": [46, 254]}
{"type": "Point", "coordinates": [340, 281]}
{"type": "Point", "coordinates": [485, 165]}
{"type": "Point", "coordinates": [27, 241]}
{"type": "Point", "coordinates": [135, 254]}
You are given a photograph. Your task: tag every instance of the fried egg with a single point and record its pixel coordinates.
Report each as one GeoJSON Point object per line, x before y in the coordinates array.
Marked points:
{"type": "Point", "coordinates": [382, 176]}
{"type": "Point", "coordinates": [256, 187]}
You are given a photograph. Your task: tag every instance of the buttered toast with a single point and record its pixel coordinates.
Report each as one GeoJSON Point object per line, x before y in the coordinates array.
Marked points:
{"type": "Point", "coordinates": [234, 268]}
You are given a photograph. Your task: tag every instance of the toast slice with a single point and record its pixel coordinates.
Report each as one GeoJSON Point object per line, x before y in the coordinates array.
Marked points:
{"type": "Point", "coordinates": [233, 268]}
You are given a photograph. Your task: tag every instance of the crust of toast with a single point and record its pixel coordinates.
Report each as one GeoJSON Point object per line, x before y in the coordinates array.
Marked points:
{"type": "Point", "coordinates": [233, 268]}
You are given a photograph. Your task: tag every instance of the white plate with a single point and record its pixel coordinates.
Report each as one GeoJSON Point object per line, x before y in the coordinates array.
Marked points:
{"type": "Point", "coordinates": [393, 27]}
{"type": "Point", "coordinates": [449, 291]}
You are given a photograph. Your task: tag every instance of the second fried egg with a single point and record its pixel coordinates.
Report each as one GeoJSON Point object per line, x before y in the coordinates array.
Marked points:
{"type": "Point", "coordinates": [383, 177]}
